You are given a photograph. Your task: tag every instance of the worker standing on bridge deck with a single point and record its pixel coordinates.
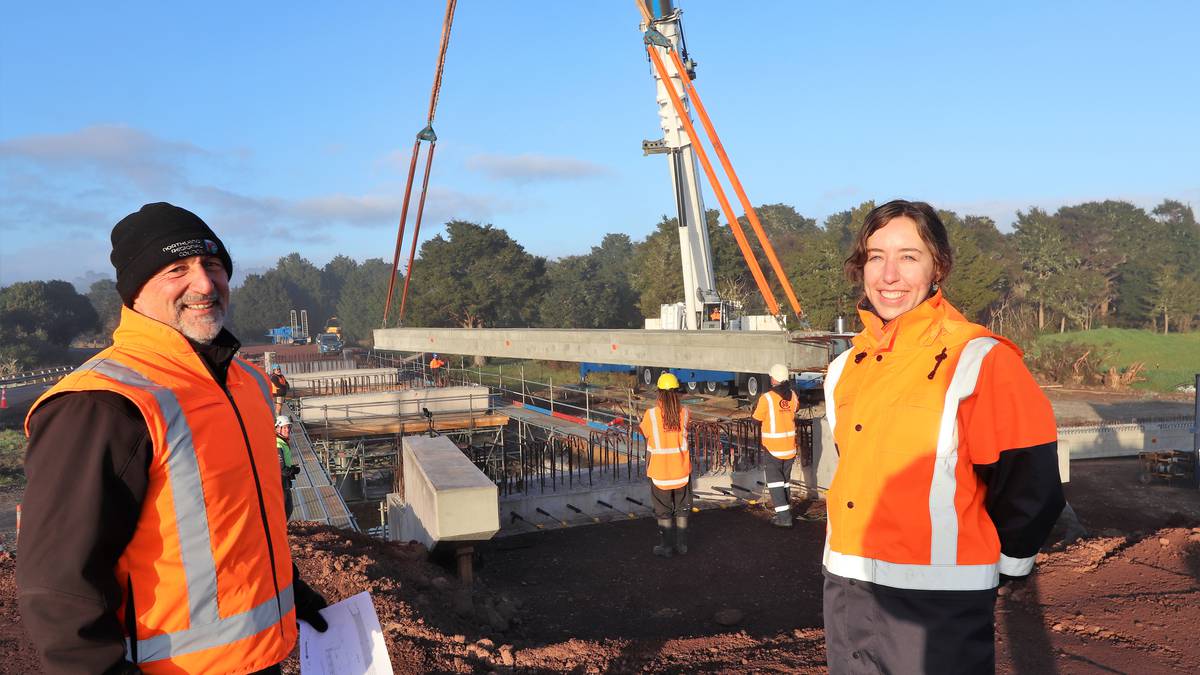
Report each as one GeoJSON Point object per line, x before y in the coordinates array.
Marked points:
{"type": "Point", "coordinates": [437, 371]}
{"type": "Point", "coordinates": [776, 410]}
{"type": "Point", "coordinates": [288, 468]}
{"type": "Point", "coordinates": [279, 388]}
{"type": "Point", "coordinates": [155, 539]}
{"type": "Point", "coordinates": [947, 480]}
{"type": "Point", "coordinates": [670, 466]}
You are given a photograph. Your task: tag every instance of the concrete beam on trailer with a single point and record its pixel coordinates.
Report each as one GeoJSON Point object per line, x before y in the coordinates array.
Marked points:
{"type": "Point", "coordinates": [737, 351]}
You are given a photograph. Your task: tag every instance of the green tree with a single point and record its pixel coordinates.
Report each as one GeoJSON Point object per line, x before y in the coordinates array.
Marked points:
{"type": "Point", "coordinates": [593, 290]}
{"type": "Point", "coordinates": [39, 319]}
{"type": "Point", "coordinates": [816, 267]}
{"type": "Point", "coordinates": [304, 287]}
{"type": "Point", "coordinates": [1043, 252]}
{"type": "Point", "coordinates": [977, 279]}
{"type": "Point", "coordinates": [475, 276]}
{"type": "Point", "coordinates": [333, 281]}
{"type": "Point", "coordinates": [360, 307]}
{"type": "Point", "coordinates": [107, 303]}
{"type": "Point", "coordinates": [260, 303]}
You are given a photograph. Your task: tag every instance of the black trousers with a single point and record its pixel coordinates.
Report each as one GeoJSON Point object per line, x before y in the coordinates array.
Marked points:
{"type": "Point", "coordinates": [778, 471]}
{"type": "Point", "coordinates": [675, 503]}
{"type": "Point", "coordinates": [876, 629]}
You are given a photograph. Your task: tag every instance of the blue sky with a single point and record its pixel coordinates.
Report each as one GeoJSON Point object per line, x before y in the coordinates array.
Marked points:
{"type": "Point", "coordinates": [288, 126]}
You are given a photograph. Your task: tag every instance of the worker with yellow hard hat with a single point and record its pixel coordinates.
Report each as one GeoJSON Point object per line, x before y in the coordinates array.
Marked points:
{"type": "Point", "coordinates": [670, 467]}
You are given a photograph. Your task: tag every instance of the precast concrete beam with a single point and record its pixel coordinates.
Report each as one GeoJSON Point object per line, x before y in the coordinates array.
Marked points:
{"type": "Point", "coordinates": [307, 379]}
{"type": "Point", "coordinates": [391, 405]}
{"type": "Point", "coordinates": [737, 351]}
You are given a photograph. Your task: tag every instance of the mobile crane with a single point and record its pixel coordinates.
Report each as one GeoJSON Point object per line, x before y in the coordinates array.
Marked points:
{"type": "Point", "coordinates": [702, 307]}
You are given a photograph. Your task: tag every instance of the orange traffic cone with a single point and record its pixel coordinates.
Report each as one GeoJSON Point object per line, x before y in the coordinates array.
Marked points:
{"type": "Point", "coordinates": [3, 399]}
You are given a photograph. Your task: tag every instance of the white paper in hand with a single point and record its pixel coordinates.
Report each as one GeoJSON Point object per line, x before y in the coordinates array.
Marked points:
{"type": "Point", "coordinates": [353, 645]}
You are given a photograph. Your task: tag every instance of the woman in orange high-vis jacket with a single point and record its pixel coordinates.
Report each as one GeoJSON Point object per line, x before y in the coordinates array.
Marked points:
{"type": "Point", "coordinates": [947, 479]}
{"type": "Point", "coordinates": [776, 410]}
{"type": "Point", "coordinates": [670, 467]}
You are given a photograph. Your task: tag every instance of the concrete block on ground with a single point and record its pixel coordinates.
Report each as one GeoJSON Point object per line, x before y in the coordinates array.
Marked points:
{"type": "Point", "coordinates": [446, 497]}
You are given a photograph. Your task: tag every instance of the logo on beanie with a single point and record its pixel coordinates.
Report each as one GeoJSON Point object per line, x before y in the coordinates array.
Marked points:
{"type": "Point", "coordinates": [211, 247]}
{"type": "Point", "coordinates": [190, 247]}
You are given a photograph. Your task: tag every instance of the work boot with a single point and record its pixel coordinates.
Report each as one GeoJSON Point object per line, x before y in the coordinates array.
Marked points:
{"type": "Point", "coordinates": [783, 518]}
{"type": "Point", "coordinates": [664, 550]}
{"type": "Point", "coordinates": [681, 535]}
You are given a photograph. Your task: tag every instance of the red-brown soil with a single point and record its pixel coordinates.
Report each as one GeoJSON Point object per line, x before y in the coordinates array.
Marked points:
{"type": "Point", "coordinates": [593, 599]}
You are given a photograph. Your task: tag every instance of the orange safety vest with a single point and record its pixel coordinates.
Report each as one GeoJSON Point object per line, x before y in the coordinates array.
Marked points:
{"type": "Point", "coordinates": [436, 363]}
{"type": "Point", "coordinates": [913, 406]}
{"type": "Point", "coordinates": [778, 419]}
{"type": "Point", "coordinates": [208, 568]}
{"type": "Point", "coordinates": [276, 389]}
{"type": "Point", "coordinates": [670, 465]}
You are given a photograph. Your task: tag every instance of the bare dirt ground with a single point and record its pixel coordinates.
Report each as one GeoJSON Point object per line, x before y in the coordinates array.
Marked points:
{"type": "Point", "coordinates": [1124, 598]}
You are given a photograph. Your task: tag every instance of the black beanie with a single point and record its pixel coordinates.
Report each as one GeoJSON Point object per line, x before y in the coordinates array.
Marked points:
{"type": "Point", "coordinates": [160, 233]}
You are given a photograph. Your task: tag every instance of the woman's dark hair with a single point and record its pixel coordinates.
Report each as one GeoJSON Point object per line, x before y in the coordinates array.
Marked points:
{"type": "Point", "coordinates": [929, 226]}
{"type": "Point", "coordinates": [668, 402]}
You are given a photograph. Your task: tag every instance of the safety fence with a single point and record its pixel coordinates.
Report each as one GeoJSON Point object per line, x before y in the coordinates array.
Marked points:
{"type": "Point", "coordinates": [35, 376]}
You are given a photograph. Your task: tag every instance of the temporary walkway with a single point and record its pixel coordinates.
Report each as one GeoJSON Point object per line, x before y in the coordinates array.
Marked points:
{"type": "Point", "coordinates": [314, 496]}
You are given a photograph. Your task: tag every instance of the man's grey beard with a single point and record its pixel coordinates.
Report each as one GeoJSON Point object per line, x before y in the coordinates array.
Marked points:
{"type": "Point", "coordinates": [198, 330]}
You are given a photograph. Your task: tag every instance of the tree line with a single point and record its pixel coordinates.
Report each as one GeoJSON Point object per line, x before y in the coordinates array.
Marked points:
{"type": "Point", "coordinates": [1100, 263]}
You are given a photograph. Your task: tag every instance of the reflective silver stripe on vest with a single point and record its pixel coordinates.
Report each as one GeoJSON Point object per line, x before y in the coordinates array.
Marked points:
{"type": "Point", "coordinates": [943, 516]}
{"type": "Point", "coordinates": [262, 384]}
{"type": "Point", "coordinates": [183, 472]}
{"type": "Point", "coordinates": [222, 632]}
{"type": "Point", "coordinates": [832, 375]}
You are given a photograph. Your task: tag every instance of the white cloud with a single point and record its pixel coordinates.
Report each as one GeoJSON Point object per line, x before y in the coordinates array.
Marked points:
{"type": "Point", "coordinates": [528, 168]}
{"type": "Point", "coordinates": [151, 163]}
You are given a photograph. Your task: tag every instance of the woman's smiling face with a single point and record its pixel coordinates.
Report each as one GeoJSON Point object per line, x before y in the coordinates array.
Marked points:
{"type": "Point", "coordinates": [899, 269]}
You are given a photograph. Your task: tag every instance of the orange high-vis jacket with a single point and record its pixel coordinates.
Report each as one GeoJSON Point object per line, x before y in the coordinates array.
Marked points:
{"type": "Point", "coordinates": [778, 419]}
{"type": "Point", "coordinates": [208, 569]}
{"type": "Point", "coordinates": [275, 391]}
{"type": "Point", "coordinates": [947, 473]}
{"type": "Point", "coordinates": [436, 363]}
{"type": "Point", "coordinates": [670, 464]}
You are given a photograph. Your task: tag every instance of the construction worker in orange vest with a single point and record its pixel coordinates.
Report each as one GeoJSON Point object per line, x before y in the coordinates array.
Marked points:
{"type": "Point", "coordinates": [279, 388]}
{"type": "Point", "coordinates": [437, 369]}
{"type": "Point", "coordinates": [670, 468]}
{"type": "Point", "coordinates": [776, 409]}
{"type": "Point", "coordinates": [947, 480]}
{"type": "Point", "coordinates": [155, 538]}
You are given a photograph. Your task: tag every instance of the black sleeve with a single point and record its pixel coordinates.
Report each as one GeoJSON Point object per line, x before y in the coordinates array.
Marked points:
{"type": "Point", "coordinates": [1012, 438]}
{"type": "Point", "coordinates": [87, 468]}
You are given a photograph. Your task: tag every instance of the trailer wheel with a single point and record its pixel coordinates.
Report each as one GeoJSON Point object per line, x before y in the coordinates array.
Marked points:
{"type": "Point", "coordinates": [649, 377]}
{"type": "Point", "coordinates": [753, 386]}
{"type": "Point", "coordinates": [711, 388]}
{"type": "Point", "coordinates": [692, 387]}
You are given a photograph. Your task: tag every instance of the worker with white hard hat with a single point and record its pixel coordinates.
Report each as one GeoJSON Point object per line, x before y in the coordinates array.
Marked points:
{"type": "Point", "coordinates": [288, 467]}
{"type": "Point", "coordinates": [776, 410]}
{"type": "Point", "coordinates": [669, 468]}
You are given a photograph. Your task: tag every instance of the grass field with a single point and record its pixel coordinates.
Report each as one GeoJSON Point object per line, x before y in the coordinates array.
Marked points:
{"type": "Point", "coordinates": [1171, 360]}
{"type": "Point", "coordinates": [12, 457]}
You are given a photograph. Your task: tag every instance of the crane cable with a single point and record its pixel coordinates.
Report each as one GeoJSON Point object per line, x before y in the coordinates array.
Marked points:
{"type": "Point", "coordinates": [694, 95]}
{"type": "Point", "coordinates": [426, 134]}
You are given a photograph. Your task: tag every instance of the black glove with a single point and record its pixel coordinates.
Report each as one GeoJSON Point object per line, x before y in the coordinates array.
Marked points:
{"type": "Point", "coordinates": [309, 604]}
{"type": "Point", "coordinates": [292, 472]}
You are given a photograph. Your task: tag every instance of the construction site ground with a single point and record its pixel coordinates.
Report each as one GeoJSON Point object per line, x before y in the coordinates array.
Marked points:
{"type": "Point", "coordinates": [1125, 597]}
